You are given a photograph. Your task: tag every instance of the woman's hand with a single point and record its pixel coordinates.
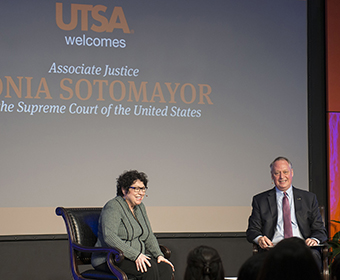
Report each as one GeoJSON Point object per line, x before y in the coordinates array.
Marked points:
{"type": "Point", "coordinates": [162, 259]}
{"type": "Point", "coordinates": [142, 262]}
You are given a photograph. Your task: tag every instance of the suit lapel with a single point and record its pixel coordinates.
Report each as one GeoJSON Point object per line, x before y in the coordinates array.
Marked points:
{"type": "Point", "coordinates": [297, 204]}
{"type": "Point", "coordinates": [273, 205]}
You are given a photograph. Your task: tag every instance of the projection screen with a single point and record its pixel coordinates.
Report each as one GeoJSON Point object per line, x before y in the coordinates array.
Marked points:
{"type": "Point", "coordinates": [200, 95]}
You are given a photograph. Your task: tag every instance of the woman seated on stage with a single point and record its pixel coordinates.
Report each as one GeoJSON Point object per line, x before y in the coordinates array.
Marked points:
{"type": "Point", "coordinates": [124, 224]}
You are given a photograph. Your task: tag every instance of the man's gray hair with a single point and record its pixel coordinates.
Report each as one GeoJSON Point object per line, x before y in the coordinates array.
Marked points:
{"type": "Point", "coordinates": [280, 158]}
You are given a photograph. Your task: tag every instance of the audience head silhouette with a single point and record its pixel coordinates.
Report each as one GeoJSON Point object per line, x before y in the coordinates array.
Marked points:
{"type": "Point", "coordinates": [204, 262]}
{"type": "Point", "coordinates": [251, 268]}
{"type": "Point", "coordinates": [335, 268]}
{"type": "Point", "coordinates": [290, 259]}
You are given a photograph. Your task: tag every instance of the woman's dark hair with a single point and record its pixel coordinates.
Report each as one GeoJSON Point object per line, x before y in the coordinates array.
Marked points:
{"type": "Point", "coordinates": [125, 180]}
{"type": "Point", "coordinates": [204, 262]}
{"type": "Point", "coordinates": [290, 259]}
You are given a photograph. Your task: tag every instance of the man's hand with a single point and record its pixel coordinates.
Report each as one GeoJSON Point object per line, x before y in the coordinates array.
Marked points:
{"type": "Point", "coordinates": [265, 242]}
{"type": "Point", "coordinates": [311, 242]}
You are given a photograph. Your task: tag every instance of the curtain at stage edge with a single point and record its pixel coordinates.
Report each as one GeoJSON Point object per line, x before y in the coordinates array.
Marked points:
{"type": "Point", "coordinates": [333, 110]}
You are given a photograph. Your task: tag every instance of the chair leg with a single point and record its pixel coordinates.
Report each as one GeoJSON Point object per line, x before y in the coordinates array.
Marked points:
{"type": "Point", "coordinates": [325, 271]}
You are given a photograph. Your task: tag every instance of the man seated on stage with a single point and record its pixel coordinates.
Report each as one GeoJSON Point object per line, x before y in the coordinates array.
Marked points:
{"type": "Point", "coordinates": [285, 211]}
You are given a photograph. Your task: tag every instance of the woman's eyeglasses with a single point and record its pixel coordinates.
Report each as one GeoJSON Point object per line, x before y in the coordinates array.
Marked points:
{"type": "Point", "coordinates": [138, 189]}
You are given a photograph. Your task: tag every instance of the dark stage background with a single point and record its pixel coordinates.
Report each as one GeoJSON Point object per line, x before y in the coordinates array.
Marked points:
{"type": "Point", "coordinates": [253, 55]}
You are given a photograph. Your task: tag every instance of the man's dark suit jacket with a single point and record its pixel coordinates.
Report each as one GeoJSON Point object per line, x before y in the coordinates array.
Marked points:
{"type": "Point", "coordinates": [263, 218]}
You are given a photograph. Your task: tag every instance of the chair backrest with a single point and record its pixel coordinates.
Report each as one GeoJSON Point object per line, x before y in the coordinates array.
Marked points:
{"type": "Point", "coordinates": [322, 213]}
{"type": "Point", "coordinates": [82, 228]}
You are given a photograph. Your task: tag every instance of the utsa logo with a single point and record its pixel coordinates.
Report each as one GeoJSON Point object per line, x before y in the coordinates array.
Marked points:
{"type": "Point", "coordinates": [116, 21]}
